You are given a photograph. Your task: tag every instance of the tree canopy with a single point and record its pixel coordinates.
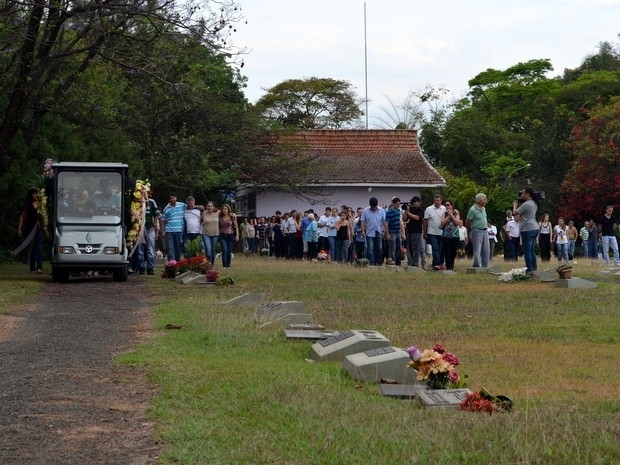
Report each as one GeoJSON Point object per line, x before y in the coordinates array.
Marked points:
{"type": "Point", "coordinates": [311, 103]}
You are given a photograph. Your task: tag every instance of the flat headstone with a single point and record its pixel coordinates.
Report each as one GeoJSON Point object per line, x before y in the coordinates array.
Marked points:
{"type": "Point", "coordinates": [290, 318]}
{"type": "Point", "coordinates": [575, 283]}
{"type": "Point", "coordinates": [610, 271]}
{"type": "Point", "coordinates": [274, 310]}
{"type": "Point", "coordinates": [401, 391]}
{"type": "Point", "coordinates": [195, 279]}
{"type": "Point", "coordinates": [383, 363]}
{"type": "Point", "coordinates": [476, 270]}
{"type": "Point", "coordinates": [346, 343]}
{"type": "Point", "coordinates": [309, 334]}
{"type": "Point", "coordinates": [308, 327]}
{"type": "Point", "coordinates": [448, 399]}
{"type": "Point", "coordinates": [248, 299]}
{"type": "Point", "coordinates": [413, 269]}
{"type": "Point", "coordinates": [180, 278]}
{"type": "Point", "coordinates": [546, 276]}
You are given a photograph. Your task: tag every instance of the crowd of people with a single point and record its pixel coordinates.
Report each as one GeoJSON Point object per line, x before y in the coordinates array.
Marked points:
{"type": "Point", "coordinates": [394, 233]}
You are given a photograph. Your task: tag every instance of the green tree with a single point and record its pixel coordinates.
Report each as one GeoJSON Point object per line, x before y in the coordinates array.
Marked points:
{"type": "Point", "coordinates": [311, 103]}
{"type": "Point", "coordinates": [48, 46]}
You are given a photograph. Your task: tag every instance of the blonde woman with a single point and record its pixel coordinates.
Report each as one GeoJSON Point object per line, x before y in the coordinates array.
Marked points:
{"type": "Point", "coordinates": [210, 230]}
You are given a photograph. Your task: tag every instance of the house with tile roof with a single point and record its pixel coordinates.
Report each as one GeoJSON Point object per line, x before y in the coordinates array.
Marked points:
{"type": "Point", "coordinates": [353, 165]}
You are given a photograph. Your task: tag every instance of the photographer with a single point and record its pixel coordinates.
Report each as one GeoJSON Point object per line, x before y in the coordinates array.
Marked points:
{"type": "Point", "coordinates": [526, 207]}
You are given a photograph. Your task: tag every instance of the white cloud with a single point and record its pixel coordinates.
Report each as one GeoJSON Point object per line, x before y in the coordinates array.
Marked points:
{"type": "Point", "coordinates": [413, 43]}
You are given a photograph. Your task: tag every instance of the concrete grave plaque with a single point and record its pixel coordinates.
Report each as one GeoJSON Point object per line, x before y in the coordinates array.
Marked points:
{"type": "Point", "coordinates": [384, 362]}
{"type": "Point", "coordinates": [346, 343]}
{"type": "Point", "coordinates": [401, 391]}
{"type": "Point", "coordinates": [575, 283]}
{"type": "Point", "coordinates": [248, 299]}
{"type": "Point", "coordinates": [443, 398]}
{"type": "Point", "coordinates": [289, 319]}
{"type": "Point", "coordinates": [275, 310]}
{"type": "Point", "coordinates": [309, 334]}
{"type": "Point", "coordinates": [476, 270]}
{"type": "Point", "coordinates": [194, 279]}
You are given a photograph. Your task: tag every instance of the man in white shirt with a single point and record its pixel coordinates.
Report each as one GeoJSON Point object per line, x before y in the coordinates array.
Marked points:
{"type": "Point", "coordinates": [432, 228]}
{"type": "Point", "coordinates": [323, 225]}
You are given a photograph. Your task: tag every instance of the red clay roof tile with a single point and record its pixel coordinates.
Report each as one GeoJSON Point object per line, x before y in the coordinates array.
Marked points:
{"type": "Point", "coordinates": [367, 156]}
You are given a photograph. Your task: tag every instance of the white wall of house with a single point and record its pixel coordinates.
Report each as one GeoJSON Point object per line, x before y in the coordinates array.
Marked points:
{"type": "Point", "coordinates": [269, 201]}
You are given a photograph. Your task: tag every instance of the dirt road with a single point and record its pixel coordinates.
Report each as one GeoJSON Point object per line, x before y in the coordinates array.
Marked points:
{"type": "Point", "coordinates": [62, 399]}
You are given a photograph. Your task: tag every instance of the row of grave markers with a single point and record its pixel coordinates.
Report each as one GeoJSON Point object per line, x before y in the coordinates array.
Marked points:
{"type": "Point", "coordinates": [366, 355]}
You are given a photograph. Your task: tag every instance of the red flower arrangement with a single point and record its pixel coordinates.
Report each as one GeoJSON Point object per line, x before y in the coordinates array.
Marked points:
{"type": "Point", "coordinates": [212, 275]}
{"type": "Point", "coordinates": [484, 402]}
{"type": "Point", "coordinates": [474, 402]}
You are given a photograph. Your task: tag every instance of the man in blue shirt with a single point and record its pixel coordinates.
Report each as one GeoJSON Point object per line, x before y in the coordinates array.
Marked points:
{"type": "Point", "coordinates": [374, 227]}
{"type": "Point", "coordinates": [393, 218]}
{"type": "Point", "coordinates": [174, 219]}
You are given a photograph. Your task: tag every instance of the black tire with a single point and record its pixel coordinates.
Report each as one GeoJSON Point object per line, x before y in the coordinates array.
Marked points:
{"type": "Point", "coordinates": [121, 274]}
{"type": "Point", "coordinates": [60, 275]}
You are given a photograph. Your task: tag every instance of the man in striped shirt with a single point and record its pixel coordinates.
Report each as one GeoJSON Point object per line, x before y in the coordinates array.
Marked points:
{"type": "Point", "coordinates": [396, 230]}
{"type": "Point", "coordinates": [173, 217]}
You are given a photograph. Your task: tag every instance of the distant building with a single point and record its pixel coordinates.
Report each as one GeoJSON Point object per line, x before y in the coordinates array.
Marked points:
{"type": "Point", "coordinates": [354, 166]}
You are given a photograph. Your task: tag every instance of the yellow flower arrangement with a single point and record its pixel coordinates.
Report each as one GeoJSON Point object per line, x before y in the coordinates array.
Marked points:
{"type": "Point", "coordinates": [42, 212]}
{"type": "Point", "coordinates": [139, 200]}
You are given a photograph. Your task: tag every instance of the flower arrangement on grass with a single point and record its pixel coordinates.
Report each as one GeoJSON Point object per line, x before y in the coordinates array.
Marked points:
{"type": "Point", "coordinates": [212, 275]}
{"type": "Point", "coordinates": [515, 275]}
{"type": "Point", "coordinates": [484, 402]}
{"type": "Point", "coordinates": [437, 367]}
{"type": "Point", "coordinates": [170, 269]}
{"type": "Point", "coordinates": [323, 255]}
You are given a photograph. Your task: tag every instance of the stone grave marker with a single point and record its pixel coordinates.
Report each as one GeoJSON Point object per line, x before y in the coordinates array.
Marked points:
{"type": "Point", "coordinates": [448, 399]}
{"type": "Point", "coordinates": [575, 283]}
{"type": "Point", "coordinates": [194, 278]}
{"type": "Point", "coordinates": [308, 332]}
{"type": "Point", "coordinates": [385, 362]}
{"type": "Point", "coordinates": [248, 299]}
{"type": "Point", "coordinates": [291, 318]}
{"type": "Point", "coordinates": [476, 270]}
{"type": "Point", "coordinates": [401, 391]}
{"type": "Point", "coordinates": [348, 342]}
{"type": "Point", "coordinates": [274, 310]}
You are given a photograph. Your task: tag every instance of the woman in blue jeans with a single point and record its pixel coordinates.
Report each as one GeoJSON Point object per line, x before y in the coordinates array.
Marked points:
{"type": "Point", "coordinates": [229, 233]}
{"type": "Point", "coordinates": [210, 231]}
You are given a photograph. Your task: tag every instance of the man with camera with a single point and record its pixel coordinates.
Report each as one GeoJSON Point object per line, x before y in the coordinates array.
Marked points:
{"type": "Point", "coordinates": [526, 207]}
{"type": "Point", "coordinates": [413, 217]}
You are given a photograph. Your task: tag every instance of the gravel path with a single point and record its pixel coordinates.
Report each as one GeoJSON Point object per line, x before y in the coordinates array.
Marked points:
{"type": "Point", "coordinates": [62, 399]}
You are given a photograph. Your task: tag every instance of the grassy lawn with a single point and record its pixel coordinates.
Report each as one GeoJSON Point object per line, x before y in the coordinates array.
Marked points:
{"type": "Point", "coordinates": [234, 393]}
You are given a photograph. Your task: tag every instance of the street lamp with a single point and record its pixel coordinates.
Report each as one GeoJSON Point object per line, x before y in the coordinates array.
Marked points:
{"type": "Point", "coordinates": [513, 172]}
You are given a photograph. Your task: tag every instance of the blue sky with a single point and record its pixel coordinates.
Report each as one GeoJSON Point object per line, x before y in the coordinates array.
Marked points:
{"type": "Point", "coordinates": [411, 44]}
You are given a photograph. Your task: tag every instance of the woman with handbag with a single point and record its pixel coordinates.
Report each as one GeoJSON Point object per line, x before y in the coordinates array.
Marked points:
{"type": "Point", "coordinates": [450, 236]}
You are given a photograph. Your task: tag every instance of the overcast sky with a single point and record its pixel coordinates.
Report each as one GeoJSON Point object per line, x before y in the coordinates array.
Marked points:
{"type": "Point", "coordinates": [413, 43]}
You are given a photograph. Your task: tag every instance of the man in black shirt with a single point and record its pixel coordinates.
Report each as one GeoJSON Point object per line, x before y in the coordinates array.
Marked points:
{"type": "Point", "coordinates": [413, 217]}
